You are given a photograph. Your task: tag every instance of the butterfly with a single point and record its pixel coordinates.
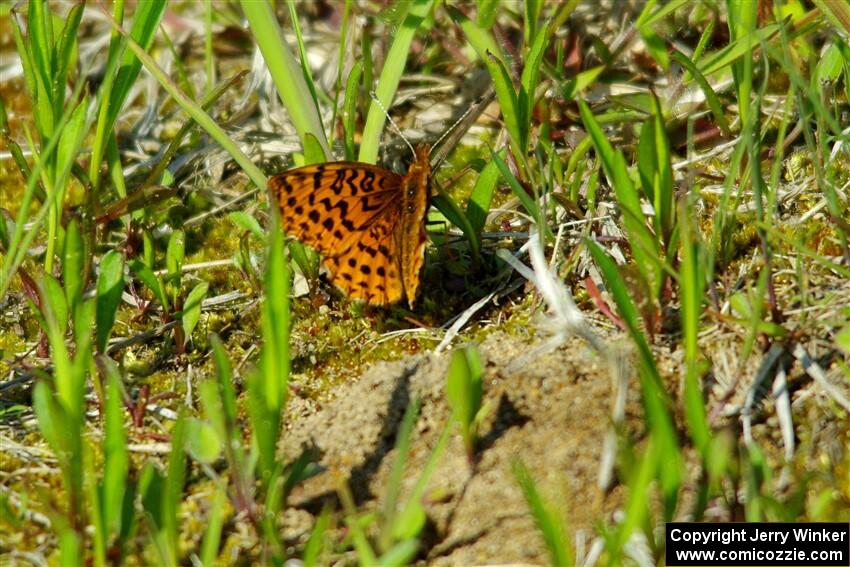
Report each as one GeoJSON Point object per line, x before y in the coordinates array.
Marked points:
{"type": "Point", "coordinates": [367, 222]}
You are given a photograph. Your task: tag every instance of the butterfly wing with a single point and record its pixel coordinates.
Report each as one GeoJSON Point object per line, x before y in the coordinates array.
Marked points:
{"type": "Point", "coordinates": [348, 211]}
{"type": "Point", "coordinates": [328, 205]}
{"type": "Point", "coordinates": [386, 260]}
{"type": "Point", "coordinates": [369, 270]}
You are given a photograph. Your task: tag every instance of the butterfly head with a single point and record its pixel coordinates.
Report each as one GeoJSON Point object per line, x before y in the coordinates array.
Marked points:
{"type": "Point", "coordinates": [422, 159]}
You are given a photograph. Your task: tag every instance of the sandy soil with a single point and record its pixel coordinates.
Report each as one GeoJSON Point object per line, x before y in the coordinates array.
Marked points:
{"type": "Point", "coordinates": [551, 410]}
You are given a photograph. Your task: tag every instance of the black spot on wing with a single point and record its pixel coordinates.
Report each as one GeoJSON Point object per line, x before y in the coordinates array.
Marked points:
{"type": "Point", "coordinates": [369, 206]}
{"type": "Point", "coordinates": [350, 182]}
{"type": "Point", "coordinates": [338, 183]}
{"type": "Point", "coordinates": [367, 249]}
{"type": "Point", "coordinates": [368, 183]}
{"type": "Point", "coordinates": [317, 176]}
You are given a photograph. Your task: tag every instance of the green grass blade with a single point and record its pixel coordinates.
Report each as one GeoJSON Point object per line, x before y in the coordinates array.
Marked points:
{"type": "Point", "coordinates": [494, 59]}
{"type": "Point", "coordinates": [655, 45]}
{"type": "Point", "coordinates": [65, 54]}
{"type": "Point", "coordinates": [220, 410]}
{"type": "Point", "coordinates": [72, 264]}
{"type": "Point", "coordinates": [302, 53]}
{"type": "Point", "coordinates": [316, 543]}
{"type": "Point", "coordinates": [711, 97]}
{"type": "Point", "coordinates": [662, 12]}
{"type": "Point", "coordinates": [215, 523]}
{"type": "Point", "coordinates": [54, 299]}
{"type": "Point", "coordinates": [721, 60]}
{"type": "Point", "coordinates": [640, 238]}
{"type": "Point", "coordinates": [53, 305]}
{"type": "Point", "coordinates": [464, 392]}
{"type": "Point", "coordinates": [656, 173]}
{"type": "Point", "coordinates": [545, 516]}
{"type": "Point", "coordinates": [40, 35]}
{"type": "Point", "coordinates": [267, 388]}
{"type": "Point", "coordinates": [70, 548]}
{"type": "Point", "coordinates": [411, 520]}
{"type": "Point", "coordinates": [454, 214]}
{"type": "Point", "coordinates": [116, 460]}
{"type": "Point", "coordinates": [146, 274]}
{"type": "Point", "coordinates": [24, 48]}
{"type": "Point", "coordinates": [172, 493]}
{"type": "Point", "coordinates": [394, 66]}
{"type": "Point", "coordinates": [287, 74]}
{"type": "Point", "coordinates": [656, 401]}
{"type": "Point", "coordinates": [71, 138]}
{"type": "Point", "coordinates": [364, 552]}
{"type": "Point", "coordinates": [110, 285]}
{"type": "Point", "coordinates": [638, 505]}
{"type": "Point", "coordinates": [175, 253]}
{"type": "Point", "coordinates": [368, 72]}
{"type": "Point", "coordinates": [518, 190]}
{"type": "Point", "coordinates": [84, 315]}
{"type": "Point", "coordinates": [401, 553]}
{"type": "Point", "coordinates": [196, 112]}
{"type": "Point", "coordinates": [276, 321]}
{"type": "Point", "coordinates": [94, 508]}
{"type": "Point", "coordinates": [402, 447]}
{"type": "Point", "coordinates": [742, 25]}
{"type": "Point", "coordinates": [574, 86]}
{"type": "Point", "coordinates": [52, 419]}
{"type": "Point", "coordinates": [532, 15]}
{"type": "Point", "coordinates": [692, 285]}
{"type": "Point", "coordinates": [478, 205]}
{"type": "Point", "coordinates": [146, 21]}
{"type": "Point", "coordinates": [121, 71]}
{"type": "Point", "coordinates": [487, 12]}
{"type": "Point", "coordinates": [838, 12]}
{"type": "Point", "coordinates": [192, 309]}
{"type": "Point", "coordinates": [528, 84]}
{"type": "Point", "coordinates": [349, 105]}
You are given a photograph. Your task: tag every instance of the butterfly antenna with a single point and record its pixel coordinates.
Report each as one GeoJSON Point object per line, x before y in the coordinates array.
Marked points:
{"type": "Point", "coordinates": [451, 128]}
{"type": "Point", "coordinates": [451, 137]}
{"type": "Point", "coordinates": [390, 118]}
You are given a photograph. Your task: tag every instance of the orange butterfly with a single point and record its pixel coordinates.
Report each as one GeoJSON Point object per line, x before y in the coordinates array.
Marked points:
{"type": "Point", "coordinates": [368, 222]}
